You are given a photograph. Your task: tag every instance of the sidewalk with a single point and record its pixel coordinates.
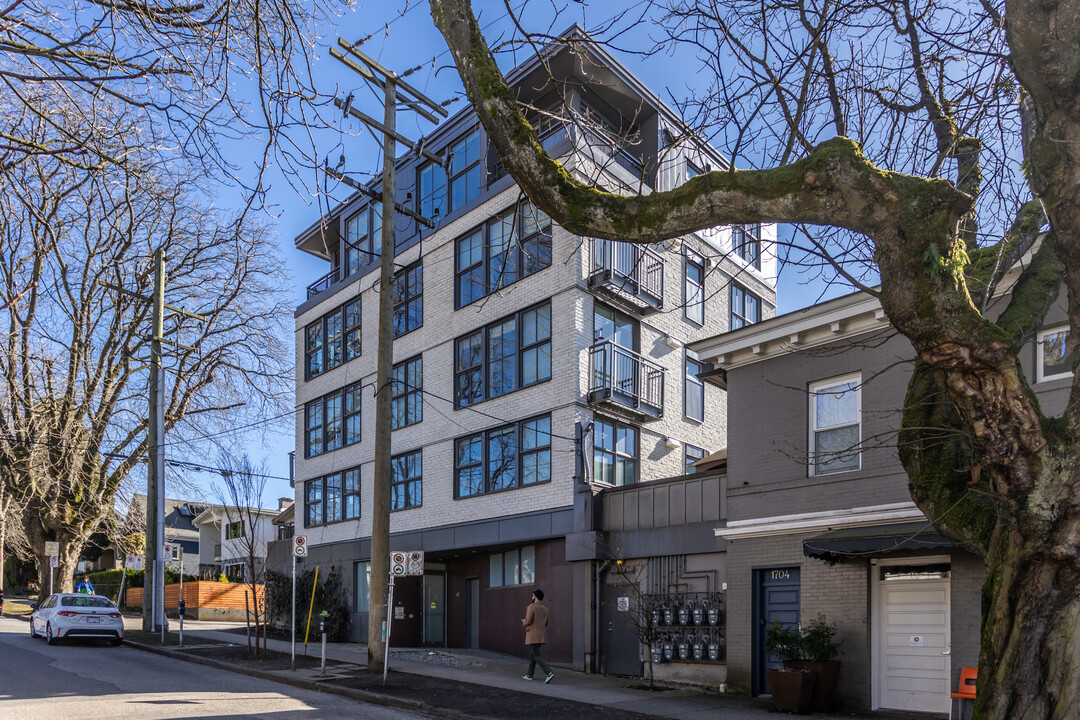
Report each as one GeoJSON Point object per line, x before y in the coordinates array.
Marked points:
{"type": "Point", "coordinates": [493, 670]}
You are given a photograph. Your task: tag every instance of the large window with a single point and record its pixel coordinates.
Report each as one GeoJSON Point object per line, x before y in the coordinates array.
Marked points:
{"type": "Point", "coordinates": [407, 393]}
{"type": "Point", "coordinates": [235, 530]}
{"type": "Point", "coordinates": [408, 299]}
{"type": "Point", "coordinates": [405, 481]}
{"type": "Point", "coordinates": [691, 454]}
{"type": "Point", "coordinates": [694, 291]}
{"type": "Point", "coordinates": [503, 458]}
{"type": "Point", "coordinates": [332, 339]}
{"type": "Point", "coordinates": [745, 307]}
{"type": "Point", "coordinates": [363, 238]}
{"type": "Point", "coordinates": [746, 242]}
{"type": "Point", "coordinates": [835, 425]}
{"type": "Point", "coordinates": [363, 586]}
{"type": "Point", "coordinates": [504, 250]}
{"type": "Point", "coordinates": [333, 421]}
{"type": "Point", "coordinates": [513, 353]}
{"type": "Point", "coordinates": [462, 186]}
{"type": "Point", "coordinates": [512, 567]}
{"type": "Point", "coordinates": [615, 452]}
{"type": "Point", "coordinates": [694, 391]}
{"type": "Point", "coordinates": [332, 498]}
{"type": "Point", "coordinates": [1054, 357]}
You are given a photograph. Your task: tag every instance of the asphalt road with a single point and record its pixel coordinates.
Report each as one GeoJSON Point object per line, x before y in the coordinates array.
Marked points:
{"type": "Point", "coordinates": [92, 680]}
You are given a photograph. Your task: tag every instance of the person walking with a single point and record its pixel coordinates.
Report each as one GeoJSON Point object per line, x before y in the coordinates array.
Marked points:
{"type": "Point", "coordinates": [535, 624]}
{"type": "Point", "coordinates": [85, 587]}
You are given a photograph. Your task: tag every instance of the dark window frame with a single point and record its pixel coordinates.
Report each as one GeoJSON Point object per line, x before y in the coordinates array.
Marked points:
{"type": "Point", "coordinates": [689, 459]}
{"type": "Point", "coordinates": [344, 416]}
{"type": "Point", "coordinates": [746, 243]}
{"type": "Point", "coordinates": [737, 310]}
{"type": "Point", "coordinates": [482, 369]}
{"type": "Point", "coordinates": [698, 386]}
{"type": "Point", "coordinates": [526, 253]}
{"type": "Point", "coordinates": [402, 392]}
{"type": "Point", "coordinates": [407, 295]}
{"type": "Point", "coordinates": [348, 328]}
{"type": "Point", "coordinates": [614, 453]}
{"type": "Point", "coordinates": [323, 503]}
{"type": "Point", "coordinates": [369, 246]}
{"type": "Point", "coordinates": [520, 453]}
{"type": "Point", "coordinates": [693, 260]}
{"type": "Point", "coordinates": [407, 481]}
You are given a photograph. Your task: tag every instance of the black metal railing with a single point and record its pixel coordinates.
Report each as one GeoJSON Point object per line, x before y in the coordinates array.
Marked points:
{"type": "Point", "coordinates": [623, 376]}
{"type": "Point", "coordinates": [631, 267]}
{"type": "Point", "coordinates": [323, 283]}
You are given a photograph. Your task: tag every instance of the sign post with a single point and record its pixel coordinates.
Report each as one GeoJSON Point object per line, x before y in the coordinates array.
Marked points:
{"type": "Point", "coordinates": [299, 550]}
{"type": "Point", "coordinates": [52, 549]}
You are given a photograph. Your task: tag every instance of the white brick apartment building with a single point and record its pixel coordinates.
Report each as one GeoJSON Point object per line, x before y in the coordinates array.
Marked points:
{"type": "Point", "coordinates": [534, 369]}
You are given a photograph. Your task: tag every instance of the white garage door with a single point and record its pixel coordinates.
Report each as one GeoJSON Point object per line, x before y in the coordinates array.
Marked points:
{"type": "Point", "coordinates": [912, 622]}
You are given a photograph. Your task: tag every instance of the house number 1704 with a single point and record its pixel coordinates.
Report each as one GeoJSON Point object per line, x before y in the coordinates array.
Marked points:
{"type": "Point", "coordinates": [781, 574]}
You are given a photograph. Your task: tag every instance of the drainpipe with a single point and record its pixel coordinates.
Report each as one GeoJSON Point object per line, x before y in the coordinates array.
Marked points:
{"type": "Point", "coordinates": [598, 619]}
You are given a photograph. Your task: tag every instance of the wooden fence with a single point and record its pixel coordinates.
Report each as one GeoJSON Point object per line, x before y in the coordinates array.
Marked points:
{"type": "Point", "coordinates": [205, 600]}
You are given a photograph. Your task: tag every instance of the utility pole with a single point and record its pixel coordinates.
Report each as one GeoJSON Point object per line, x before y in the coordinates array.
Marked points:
{"type": "Point", "coordinates": [390, 83]}
{"type": "Point", "coordinates": [154, 586]}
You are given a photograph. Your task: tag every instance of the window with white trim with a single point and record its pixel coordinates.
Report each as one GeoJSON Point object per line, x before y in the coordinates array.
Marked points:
{"type": "Point", "coordinates": [1054, 357]}
{"type": "Point", "coordinates": [694, 390]}
{"type": "Point", "coordinates": [835, 425]}
{"type": "Point", "coordinates": [512, 567]}
{"type": "Point", "coordinates": [745, 308]}
{"type": "Point", "coordinates": [746, 242]}
{"type": "Point", "coordinates": [691, 454]}
{"type": "Point", "coordinates": [615, 452]}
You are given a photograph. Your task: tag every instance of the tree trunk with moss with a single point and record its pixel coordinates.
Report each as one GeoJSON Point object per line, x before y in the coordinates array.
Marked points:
{"type": "Point", "coordinates": [993, 473]}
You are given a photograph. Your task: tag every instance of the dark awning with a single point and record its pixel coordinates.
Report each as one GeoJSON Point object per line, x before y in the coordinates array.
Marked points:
{"type": "Point", "coordinates": [872, 540]}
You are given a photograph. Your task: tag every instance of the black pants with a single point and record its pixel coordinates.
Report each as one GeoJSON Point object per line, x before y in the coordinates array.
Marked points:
{"type": "Point", "coordinates": [534, 658]}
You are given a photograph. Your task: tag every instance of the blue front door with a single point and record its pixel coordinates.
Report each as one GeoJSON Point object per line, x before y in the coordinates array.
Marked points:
{"type": "Point", "coordinates": [777, 598]}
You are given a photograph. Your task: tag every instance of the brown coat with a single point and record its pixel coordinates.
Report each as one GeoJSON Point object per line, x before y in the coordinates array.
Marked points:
{"type": "Point", "coordinates": [535, 622]}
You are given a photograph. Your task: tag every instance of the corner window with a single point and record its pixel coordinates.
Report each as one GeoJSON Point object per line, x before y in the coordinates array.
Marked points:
{"type": "Point", "coordinates": [332, 421]}
{"type": "Point", "coordinates": [691, 454]}
{"type": "Point", "coordinates": [507, 355]}
{"type": "Point", "coordinates": [363, 238]}
{"type": "Point", "coordinates": [513, 567]}
{"type": "Point", "coordinates": [746, 242]}
{"type": "Point", "coordinates": [363, 586]}
{"type": "Point", "coordinates": [615, 452]}
{"type": "Point", "coordinates": [405, 481]}
{"type": "Point", "coordinates": [332, 339]}
{"type": "Point", "coordinates": [503, 458]}
{"type": "Point", "coordinates": [313, 508]}
{"type": "Point", "coordinates": [694, 391]}
{"type": "Point", "coordinates": [351, 493]}
{"type": "Point", "coordinates": [407, 393]}
{"type": "Point", "coordinates": [501, 252]}
{"type": "Point", "coordinates": [745, 308]}
{"type": "Point", "coordinates": [235, 530]}
{"type": "Point", "coordinates": [835, 425]}
{"type": "Point", "coordinates": [408, 299]}
{"type": "Point", "coordinates": [432, 183]}
{"type": "Point", "coordinates": [1054, 357]}
{"type": "Point", "coordinates": [694, 288]}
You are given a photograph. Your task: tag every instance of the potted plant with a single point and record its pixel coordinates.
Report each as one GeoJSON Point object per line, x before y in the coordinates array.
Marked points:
{"type": "Point", "coordinates": [791, 687]}
{"type": "Point", "coordinates": [817, 649]}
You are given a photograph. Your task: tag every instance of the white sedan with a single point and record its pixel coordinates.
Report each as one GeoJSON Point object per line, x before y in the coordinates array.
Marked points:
{"type": "Point", "coordinates": [68, 615]}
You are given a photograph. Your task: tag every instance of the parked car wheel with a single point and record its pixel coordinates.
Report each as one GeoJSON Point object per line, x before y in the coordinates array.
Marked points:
{"type": "Point", "coordinates": [48, 634]}
{"type": "Point", "coordinates": [33, 632]}
{"type": "Point", "coordinates": [115, 642]}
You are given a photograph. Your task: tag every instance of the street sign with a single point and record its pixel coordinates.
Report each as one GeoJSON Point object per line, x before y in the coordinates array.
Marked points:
{"type": "Point", "coordinates": [299, 546]}
{"type": "Point", "coordinates": [416, 562]}
{"type": "Point", "coordinates": [399, 564]}
{"type": "Point", "coordinates": [52, 548]}
{"type": "Point", "coordinates": [133, 562]}
{"type": "Point", "coordinates": [53, 561]}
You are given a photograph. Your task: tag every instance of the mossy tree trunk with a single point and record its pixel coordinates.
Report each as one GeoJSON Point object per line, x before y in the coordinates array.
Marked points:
{"type": "Point", "coordinates": [992, 472]}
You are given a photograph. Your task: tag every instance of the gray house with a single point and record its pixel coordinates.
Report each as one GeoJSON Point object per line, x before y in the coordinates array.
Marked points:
{"type": "Point", "coordinates": [818, 514]}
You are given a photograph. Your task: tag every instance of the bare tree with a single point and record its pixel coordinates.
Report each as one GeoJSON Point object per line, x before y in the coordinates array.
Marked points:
{"type": "Point", "coordinates": [241, 494]}
{"type": "Point", "coordinates": [75, 246]}
{"type": "Point", "coordinates": [897, 129]}
{"type": "Point", "coordinates": [13, 542]}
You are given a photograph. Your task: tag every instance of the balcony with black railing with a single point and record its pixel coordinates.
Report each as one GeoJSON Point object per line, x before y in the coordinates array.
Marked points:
{"type": "Point", "coordinates": [323, 283]}
{"type": "Point", "coordinates": [630, 272]}
{"type": "Point", "coordinates": [625, 381]}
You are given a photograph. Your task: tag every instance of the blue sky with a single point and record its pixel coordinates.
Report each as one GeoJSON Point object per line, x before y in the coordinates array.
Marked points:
{"type": "Point", "coordinates": [404, 37]}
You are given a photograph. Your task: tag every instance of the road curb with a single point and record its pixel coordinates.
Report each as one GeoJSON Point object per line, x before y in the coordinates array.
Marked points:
{"type": "Point", "coordinates": [355, 694]}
